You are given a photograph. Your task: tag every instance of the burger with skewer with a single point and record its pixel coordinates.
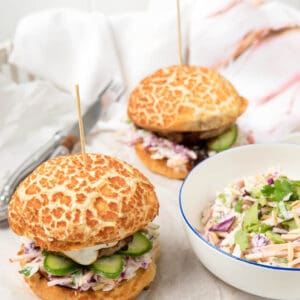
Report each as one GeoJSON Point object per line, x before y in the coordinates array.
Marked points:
{"type": "Point", "coordinates": [88, 229]}
{"type": "Point", "coordinates": [183, 114]}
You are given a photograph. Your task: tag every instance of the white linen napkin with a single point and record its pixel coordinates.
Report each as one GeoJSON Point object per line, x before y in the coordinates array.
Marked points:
{"type": "Point", "coordinates": [30, 114]}
{"type": "Point", "coordinates": [67, 47]}
{"type": "Point", "coordinates": [146, 42]}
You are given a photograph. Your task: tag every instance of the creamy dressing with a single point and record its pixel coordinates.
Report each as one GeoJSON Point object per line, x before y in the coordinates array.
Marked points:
{"type": "Point", "coordinates": [87, 256]}
{"type": "Point", "coordinates": [81, 279]}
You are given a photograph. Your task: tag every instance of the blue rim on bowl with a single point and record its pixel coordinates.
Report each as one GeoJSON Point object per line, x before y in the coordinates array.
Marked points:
{"type": "Point", "coordinates": [204, 240]}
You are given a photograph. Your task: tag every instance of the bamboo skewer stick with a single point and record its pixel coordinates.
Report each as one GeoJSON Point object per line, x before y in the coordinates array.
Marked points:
{"type": "Point", "coordinates": [80, 123]}
{"type": "Point", "coordinates": [179, 34]}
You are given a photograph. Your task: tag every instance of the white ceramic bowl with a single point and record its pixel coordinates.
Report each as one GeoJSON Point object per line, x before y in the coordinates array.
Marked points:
{"type": "Point", "coordinates": [199, 190]}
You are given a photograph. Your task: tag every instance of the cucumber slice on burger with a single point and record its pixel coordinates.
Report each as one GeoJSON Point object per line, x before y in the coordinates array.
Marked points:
{"type": "Point", "coordinates": [138, 246]}
{"type": "Point", "coordinates": [108, 266]}
{"type": "Point", "coordinates": [223, 141]}
{"type": "Point", "coordinates": [59, 265]}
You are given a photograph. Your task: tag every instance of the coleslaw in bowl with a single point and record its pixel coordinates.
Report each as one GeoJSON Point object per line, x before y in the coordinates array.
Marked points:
{"type": "Point", "coordinates": [257, 218]}
{"type": "Point", "coordinates": [262, 277]}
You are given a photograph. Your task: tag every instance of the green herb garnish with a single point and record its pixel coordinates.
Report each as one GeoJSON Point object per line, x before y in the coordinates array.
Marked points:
{"type": "Point", "coordinates": [259, 228]}
{"type": "Point", "coordinates": [256, 193]}
{"type": "Point", "coordinates": [262, 201]}
{"type": "Point", "coordinates": [282, 210]}
{"type": "Point", "coordinates": [251, 216]}
{"type": "Point", "coordinates": [222, 197]}
{"type": "Point", "coordinates": [281, 260]}
{"type": "Point", "coordinates": [274, 237]}
{"type": "Point", "coordinates": [238, 207]}
{"type": "Point", "coordinates": [241, 238]}
{"type": "Point", "coordinates": [280, 189]}
{"type": "Point", "coordinates": [291, 224]}
{"type": "Point", "coordinates": [296, 184]}
{"type": "Point", "coordinates": [27, 270]}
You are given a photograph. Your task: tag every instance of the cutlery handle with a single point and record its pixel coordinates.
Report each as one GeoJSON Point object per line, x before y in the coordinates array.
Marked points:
{"type": "Point", "coordinates": [31, 163]}
{"type": "Point", "coordinates": [59, 151]}
{"type": "Point", "coordinates": [65, 147]}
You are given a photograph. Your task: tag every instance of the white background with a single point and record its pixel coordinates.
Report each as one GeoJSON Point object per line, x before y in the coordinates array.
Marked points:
{"type": "Point", "coordinates": [12, 10]}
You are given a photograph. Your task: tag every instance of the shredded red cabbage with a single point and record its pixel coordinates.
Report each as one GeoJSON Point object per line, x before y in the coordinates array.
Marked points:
{"type": "Point", "coordinates": [224, 225]}
{"type": "Point", "coordinates": [260, 240]}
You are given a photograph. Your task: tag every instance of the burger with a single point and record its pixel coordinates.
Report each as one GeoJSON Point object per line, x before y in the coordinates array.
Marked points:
{"type": "Point", "coordinates": [88, 229]}
{"type": "Point", "coordinates": [183, 114]}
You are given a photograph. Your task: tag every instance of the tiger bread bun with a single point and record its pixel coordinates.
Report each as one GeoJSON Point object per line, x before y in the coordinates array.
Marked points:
{"type": "Point", "coordinates": [89, 230]}
{"type": "Point", "coordinates": [183, 114]}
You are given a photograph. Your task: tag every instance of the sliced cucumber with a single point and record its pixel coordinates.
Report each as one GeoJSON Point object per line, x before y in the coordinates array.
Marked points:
{"type": "Point", "coordinates": [138, 246]}
{"type": "Point", "coordinates": [223, 141]}
{"type": "Point", "coordinates": [59, 265]}
{"type": "Point", "coordinates": [108, 266]}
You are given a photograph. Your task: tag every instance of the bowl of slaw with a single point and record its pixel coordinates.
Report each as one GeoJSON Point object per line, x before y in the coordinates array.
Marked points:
{"type": "Point", "coordinates": [240, 213]}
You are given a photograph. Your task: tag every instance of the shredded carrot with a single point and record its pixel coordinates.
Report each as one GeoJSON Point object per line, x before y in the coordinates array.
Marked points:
{"type": "Point", "coordinates": [294, 262]}
{"type": "Point", "coordinates": [274, 217]}
{"type": "Point", "coordinates": [290, 255]}
{"type": "Point", "coordinates": [206, 215]}
{"type": "Point", "coordinates": [213, 238]}
{"type": "Point", "coordinates": [295, 204]}
{"type": "Point", "coordinates": [270, 254]}
{"type": "Point", "coordinates": [278, 247]}
{"type": "Point", "coordinates": [222, 234]}
{"type": "Point", "coordinates": [290, 236]}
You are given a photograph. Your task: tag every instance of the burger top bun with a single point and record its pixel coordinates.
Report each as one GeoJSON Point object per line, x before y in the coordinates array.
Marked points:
{"type": "Point", "coordinates": [63, 206]}
{"type": "Point", "coordinates": [185, 98]}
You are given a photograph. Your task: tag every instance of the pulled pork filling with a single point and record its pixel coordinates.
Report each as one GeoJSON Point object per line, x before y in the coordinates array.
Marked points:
{"type": "Point", "coordinates": [183, 150]}
{"type": "Point", "coordinates": [85, 278]}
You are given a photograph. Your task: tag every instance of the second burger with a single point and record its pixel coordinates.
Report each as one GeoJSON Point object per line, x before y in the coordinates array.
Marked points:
{"type": "Point", "coordinates": [181, 114]}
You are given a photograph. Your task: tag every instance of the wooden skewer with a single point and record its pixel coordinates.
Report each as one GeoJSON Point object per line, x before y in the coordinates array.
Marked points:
{"type": "Point", "coordinates": [179, 34]}
{"type": "Point", "coordinates": [81, 131]}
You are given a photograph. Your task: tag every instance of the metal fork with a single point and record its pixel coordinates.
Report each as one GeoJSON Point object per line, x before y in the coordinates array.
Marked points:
{"type": "Point", "coordinates": [115, 92]}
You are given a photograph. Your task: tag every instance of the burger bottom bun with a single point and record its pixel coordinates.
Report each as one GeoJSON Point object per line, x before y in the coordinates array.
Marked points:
{"type": "Point", "coordinates": [159, 165]}
{"type": "Point", "coordinates": [124, 291]}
